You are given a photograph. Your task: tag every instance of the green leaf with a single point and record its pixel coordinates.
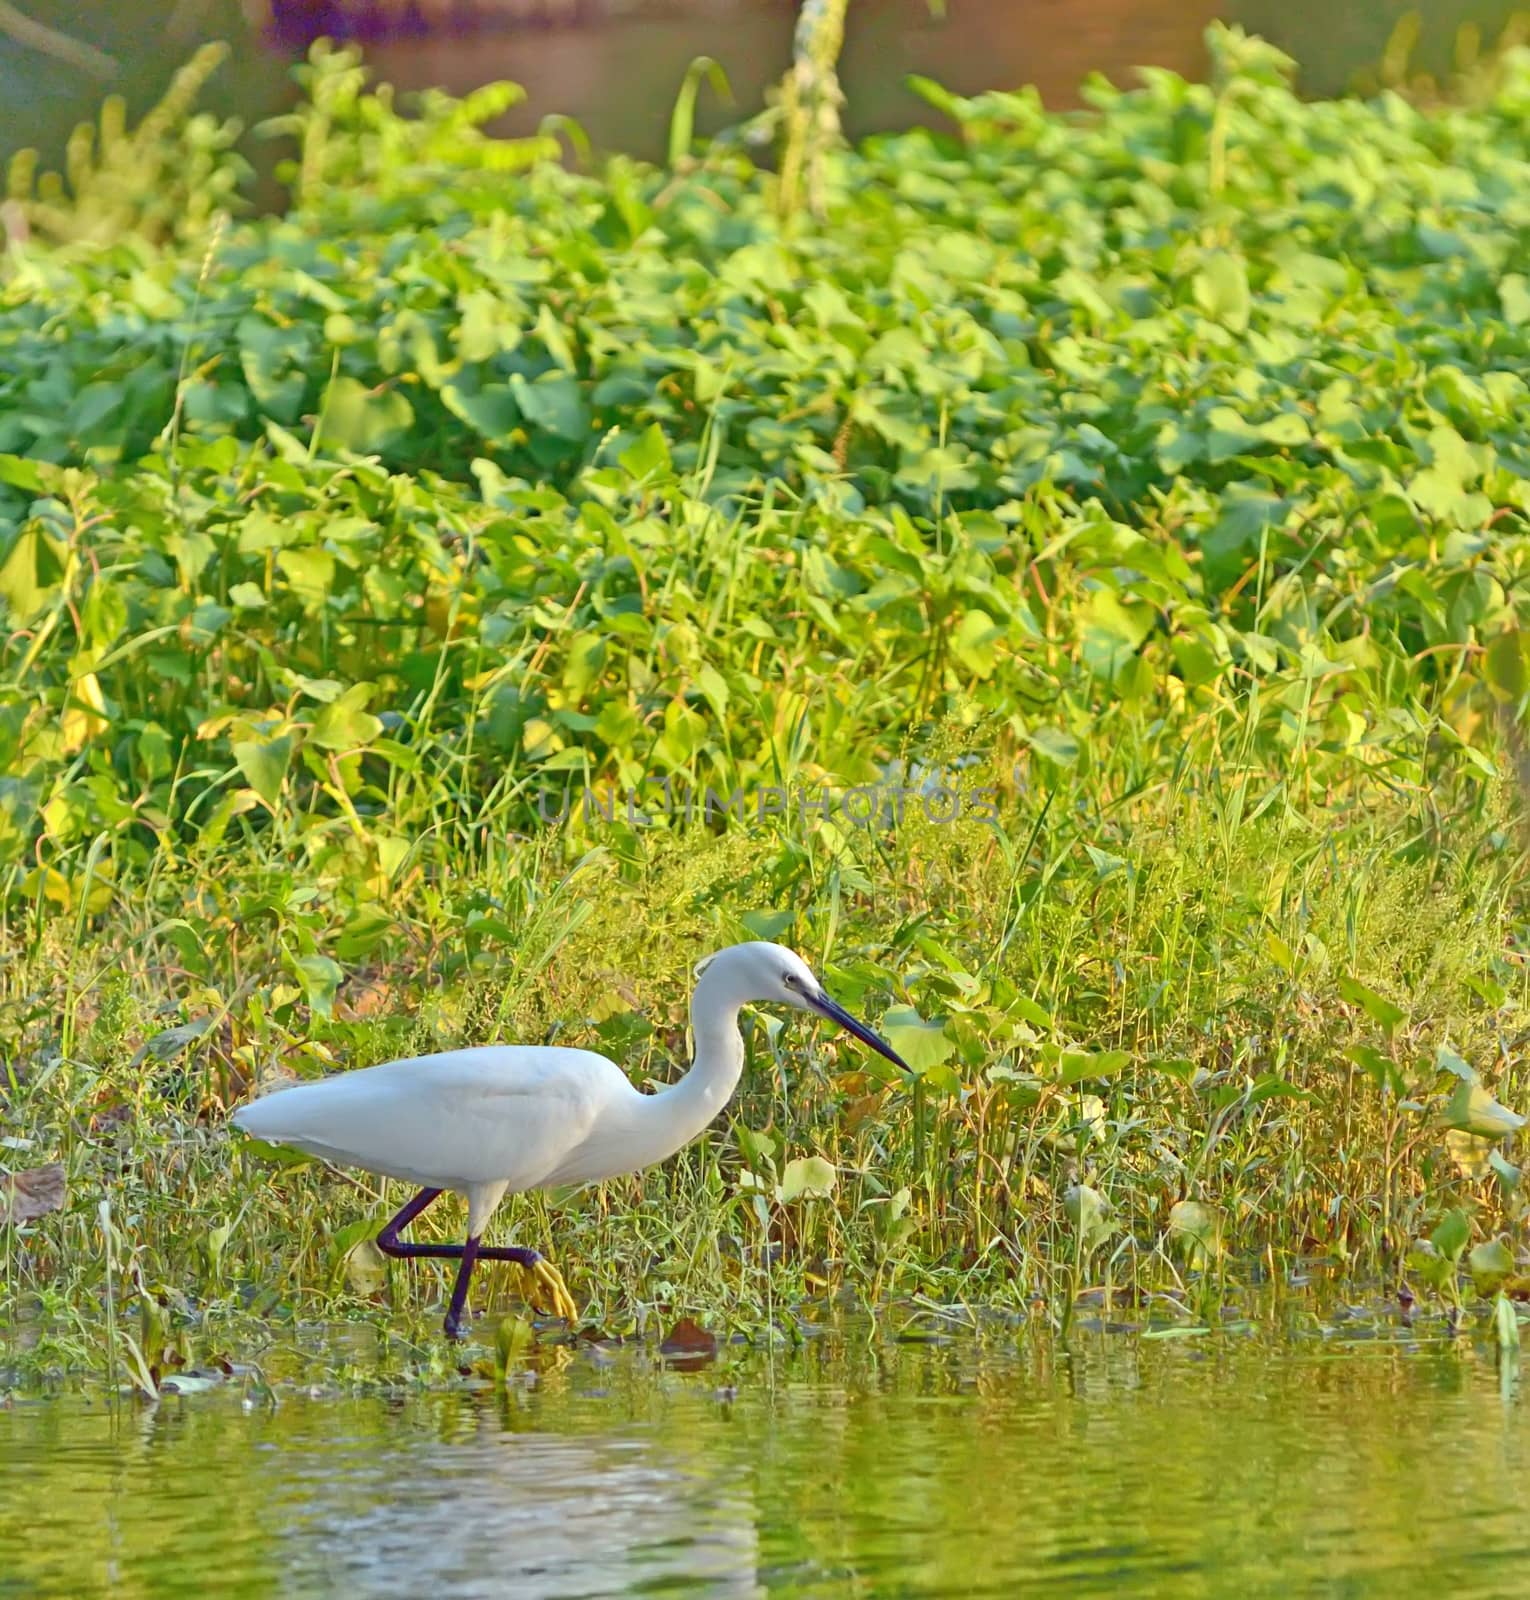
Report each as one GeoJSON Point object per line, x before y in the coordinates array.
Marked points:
{"type": "Point", "coordinates": [1379, 1068]}
{"type": "Point", "coordinates": [1489, 1264]}
{"type": "Point", "coordinates": [363, 931]}
{"type": "Point", "coordinates": [264, 765]}
{"type": "Point", "coordinates": [30, 573]}
{"type": "Point", "coordinates": [1514, 297]}
{"type": "Point", "coordinates": [514, 1338]}
{"type": "Point", "coordinates": [1027, 1009]}
{"type": "Point", "coordinates": [1473, 1110]}
{"type": "Point", "coordinates": [1506, 665]}
{"type": "Point", "coordinates": [1112, 631]}
{"type": "Point", "coordinates": [1450, 1237]}
{"type": "Point", "coordinates": [649, 456]}
{"type": "Point", "coordinates": [366, 1268]}
{"type": "Point", "coordinates": [170, 1042]}
{"type": "Point", "coordinates": [321, 979]}
{"type": "Point", "coordinates": [1426, 1264]}
{"type": "Point", "coordinates": [1195, 1230]}
{"type": "Point", "coordinates": [758, 1149]}
{"type": "Point", "coordinates": [767, 925]}
{"type": "Point", "coordinates": [1055, 745]}
{"type": "Point", "coordinates": [1180, 1067]}
{"type": "Point", "coordinates": [277, 1155]}
{"type": "Point", "coordinates": [584, 658]}
{"type": "Point", "coordinates": [973, 643]}
{"type": "Point", "coordinates": [922, 1044]}
{"type": "Point", "coordinates": [275, 363]}
{"type": "Point", "coordinates": [1075, 1066]}
{"type": "Point", "coordinates": [1471, 1154]}
{"type": "Point", "coordinates": [682, 121]}
{"type": "Point", "coordinates": [343, 724]}
{"type": "Point", "coordinates": [1374, 1005]}
{"type": "Point", "coordinates": [1089, 1212]}
{"type": "Point", "coordinates": [367, 421]}
{"type": "Point", "coordinates": [1221, 291]}
{"type": "Point", "coordinates": [1507, 1174]}
{"type": "Point", "coordinates": [807, 1178]}
{"type": "Point", "coordinates": [20, 473]}
{"type": "Point", "coordinates": [1506, 1323]}
{"type": "Point", "coordinates": [491, 412]}
{"type": "Point", "coordinates": [714, 686]}
{"type": "Point", "coordinates": [1446, 1060]}
{"type": "Point", "coordinates": [1270, 1086]}
{"type": "Point", "coordinates": [311, 572]}
{"type": "Point", "coordinates": [555, 404]}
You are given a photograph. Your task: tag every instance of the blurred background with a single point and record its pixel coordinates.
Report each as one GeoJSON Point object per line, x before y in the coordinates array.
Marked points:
{"type": "Point", "coordinates": [615, 65]}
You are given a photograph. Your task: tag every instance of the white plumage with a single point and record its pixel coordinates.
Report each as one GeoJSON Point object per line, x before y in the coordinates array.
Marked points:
{"type": "Point", "coordinates": [497, 1113]}
{"type": "Point", "coordinates": [507, 1118]}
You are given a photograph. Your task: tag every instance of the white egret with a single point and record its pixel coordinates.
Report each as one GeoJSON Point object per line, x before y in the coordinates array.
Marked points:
{"type": "Point", "coordinates": [501, 1119]}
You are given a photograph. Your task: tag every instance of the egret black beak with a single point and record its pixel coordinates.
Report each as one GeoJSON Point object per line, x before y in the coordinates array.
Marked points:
{"type": "Point", "coordinates": [836, 1013]}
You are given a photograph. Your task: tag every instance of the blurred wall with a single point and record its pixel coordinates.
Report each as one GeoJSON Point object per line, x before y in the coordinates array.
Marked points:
{"type": "Point", "coordinates": [132, 47]}
{"type": "Point", "coordinates": [618, 72]}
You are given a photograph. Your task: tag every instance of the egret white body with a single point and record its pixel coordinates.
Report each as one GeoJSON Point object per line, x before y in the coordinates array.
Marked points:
{"type": "Point", "coordinates": [502, 1119]}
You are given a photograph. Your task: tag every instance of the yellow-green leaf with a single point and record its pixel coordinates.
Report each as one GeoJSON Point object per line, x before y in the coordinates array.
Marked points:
{"type": "Point", "coordinates": [264, 765]}
{"type": "Point", "coordinates": [807, 1178]}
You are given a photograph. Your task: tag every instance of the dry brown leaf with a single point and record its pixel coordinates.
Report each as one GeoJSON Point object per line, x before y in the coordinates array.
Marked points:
{"type": "Point", "coordinates": [25, 1196]}
{"type": "Point", "coordinates": [688, 1346]}
{"type": "Point", "coordinates": [363, 999]}
{"type": "Point", "coordinates": [862, 1109]}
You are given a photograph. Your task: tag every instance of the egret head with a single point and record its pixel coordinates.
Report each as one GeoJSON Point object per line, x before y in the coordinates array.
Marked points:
{"type": "Point", "coordinates": [770, 974]}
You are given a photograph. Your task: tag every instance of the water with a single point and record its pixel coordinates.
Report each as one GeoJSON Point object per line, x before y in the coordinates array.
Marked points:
{"type": "Point", "coordinates": [1133, 1467]}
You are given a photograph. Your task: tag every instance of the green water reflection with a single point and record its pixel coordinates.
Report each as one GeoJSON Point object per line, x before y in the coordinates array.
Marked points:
{"type": "Point", "coordinates": [1123, 1467]}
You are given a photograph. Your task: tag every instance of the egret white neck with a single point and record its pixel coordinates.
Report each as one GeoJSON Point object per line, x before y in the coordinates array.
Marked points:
{"type": "Point", "coordinates": [674, 1116]}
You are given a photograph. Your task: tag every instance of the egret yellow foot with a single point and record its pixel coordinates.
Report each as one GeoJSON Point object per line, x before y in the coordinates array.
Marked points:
{"type": "Point", "coordinates": [542, 1286]}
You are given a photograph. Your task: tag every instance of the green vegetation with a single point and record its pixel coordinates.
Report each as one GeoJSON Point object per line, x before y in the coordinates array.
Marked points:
{"type": "Point", "coordinates": [1160, 470]}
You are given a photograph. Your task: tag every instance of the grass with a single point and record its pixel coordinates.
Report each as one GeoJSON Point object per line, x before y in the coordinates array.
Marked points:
{"type": "Point", "coordinates": [1148, 486]}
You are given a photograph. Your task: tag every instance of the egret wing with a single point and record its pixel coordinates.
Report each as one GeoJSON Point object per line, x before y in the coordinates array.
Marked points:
{"type": "Point", "coordinates": [497, 1114]}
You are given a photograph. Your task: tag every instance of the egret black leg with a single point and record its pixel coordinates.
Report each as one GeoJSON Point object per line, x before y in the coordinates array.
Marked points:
{"type": "Point", "coordinates": [454, 1311]}
{"type": "Point", "coordinates": [469, 1254]}
{"type": "Point", "coordinates": [388, 1240]}
{"type": "Point", "coordinates": [472, 1253]}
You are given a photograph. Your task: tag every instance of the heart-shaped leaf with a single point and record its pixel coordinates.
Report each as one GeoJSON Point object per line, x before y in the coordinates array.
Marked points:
{"type": "Point", "coordinates": [1090, 1213]}
{"type": "Point", "coordinates": [1473, 1110]}
{"type": "Point", "coordinates": [1075, 1066]}
{"type": "Point", "coordinates": [345, 724]}
{"type": "Point", "coordinates": [1195, 1230]}
{"type": "Point", "coordinates": [264, 765]}
{"type": "Point", "coordinates": [1489, 1264]}
{"type": "Point", "coordinates": [807, 1178]}
{"type": "Point", "coordinates": [1452, 1234]}
{"type": "Point", "coordinates": [922, 1044]}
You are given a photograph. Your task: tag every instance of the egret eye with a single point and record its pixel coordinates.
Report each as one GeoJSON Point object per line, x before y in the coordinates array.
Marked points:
{"type": "Point", "coordinates": [789, 979]}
